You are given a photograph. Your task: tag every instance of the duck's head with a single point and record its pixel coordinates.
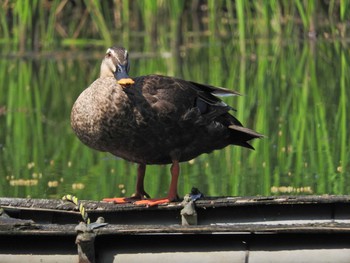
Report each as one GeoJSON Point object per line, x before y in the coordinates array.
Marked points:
{"type": "Point", "coordinates": [116, 64]}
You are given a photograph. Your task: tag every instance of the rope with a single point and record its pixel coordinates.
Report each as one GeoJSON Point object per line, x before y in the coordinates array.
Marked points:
{"type": "Point", "coordinates": [82, 210]}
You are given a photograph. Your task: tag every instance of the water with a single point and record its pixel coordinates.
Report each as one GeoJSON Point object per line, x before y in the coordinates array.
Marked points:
{"type": "Point", "coordinates": [295, 93]}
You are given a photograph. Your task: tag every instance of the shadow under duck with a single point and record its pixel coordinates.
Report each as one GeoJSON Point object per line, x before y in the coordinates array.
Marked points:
{"type": "Point", "coordinates": [154, 119]}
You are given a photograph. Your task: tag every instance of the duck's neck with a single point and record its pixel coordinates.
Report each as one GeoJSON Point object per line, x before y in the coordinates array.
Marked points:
{"type": "Point", "coordinates": [105, 71]}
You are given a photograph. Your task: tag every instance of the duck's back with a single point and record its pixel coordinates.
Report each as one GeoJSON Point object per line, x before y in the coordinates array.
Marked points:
{"type": "Point", "coordinates": [156, 120]}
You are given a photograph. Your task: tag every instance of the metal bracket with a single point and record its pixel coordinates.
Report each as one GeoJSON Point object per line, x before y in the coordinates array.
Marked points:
{"type": "Point", "coordinates": [85, 240]}
{"type": "Point", "coordinates": [188, 213]}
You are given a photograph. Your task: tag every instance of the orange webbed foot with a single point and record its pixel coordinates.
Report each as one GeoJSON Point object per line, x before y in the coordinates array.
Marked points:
{"type": "Point", "coordinates": [147, 202]}
{"type": "Point", "coordinates": [157, 201]}
{"type": "Point", "coordinates": [153, 202]}
{"type": "Point", "coordinates": [124, 200]}
{"type": "Point", "coordinates": [117, 200]}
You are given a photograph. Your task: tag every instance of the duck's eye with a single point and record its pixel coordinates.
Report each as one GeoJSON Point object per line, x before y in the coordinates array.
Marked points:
{"type": "Point", "coordinates": [108, 55]}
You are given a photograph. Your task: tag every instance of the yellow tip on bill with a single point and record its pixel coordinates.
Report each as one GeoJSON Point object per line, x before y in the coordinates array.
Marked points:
{"type": "Point", "coordinates": [126, 81]}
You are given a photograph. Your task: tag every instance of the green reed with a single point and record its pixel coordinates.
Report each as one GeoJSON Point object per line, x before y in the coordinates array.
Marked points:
{"type": "Point", "coordinates": [341, 122]}
{"type": "Point", "coordinates": [94, 9]}
{"type": "Point", "coordinates": [285, 100]}
{"type": "Point", "coordinates": [45, 24]}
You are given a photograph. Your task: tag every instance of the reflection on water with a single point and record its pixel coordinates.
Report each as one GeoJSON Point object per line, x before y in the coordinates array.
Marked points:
{"type": "Point", "coordinates": [295, 93]}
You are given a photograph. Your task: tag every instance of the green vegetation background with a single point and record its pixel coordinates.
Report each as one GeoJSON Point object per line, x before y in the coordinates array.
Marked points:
{"type": "Point", "coordinates": [290, 59]}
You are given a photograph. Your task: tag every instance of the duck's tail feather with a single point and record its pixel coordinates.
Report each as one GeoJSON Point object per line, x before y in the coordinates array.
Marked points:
{"type": "Point", "coordinates": [242, 135]}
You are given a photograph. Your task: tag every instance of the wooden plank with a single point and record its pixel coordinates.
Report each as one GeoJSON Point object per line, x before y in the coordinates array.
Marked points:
{"type": "Point", "coordinates": [305, 214]}
{"type": "Point", "coordinates": [111, 229]}
{"type": "Point", "coordinates": [239, 227]}
{"type": "Point", "coordinates": [207, 202]}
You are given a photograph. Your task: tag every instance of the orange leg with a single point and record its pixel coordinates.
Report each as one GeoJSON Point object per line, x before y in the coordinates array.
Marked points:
{"type": "Point", "coordinates": [175, 172]}
{"type": "Point", "coordinates": [140, 191]}
{"type": "Point", "coordinates": [172, 194]}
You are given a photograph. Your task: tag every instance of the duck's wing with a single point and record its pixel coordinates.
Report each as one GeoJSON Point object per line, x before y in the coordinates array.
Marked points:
{"type": "Point", "coordinates": [218, 91]}
{"type": "Point", "coordinates": [218, 110]}
{"type": "Point", "coordinates": [168, 94]}
{"type": "Point", "coordinates": [209, 93]}
{"type": "Point", "coordinates": [189, 102]}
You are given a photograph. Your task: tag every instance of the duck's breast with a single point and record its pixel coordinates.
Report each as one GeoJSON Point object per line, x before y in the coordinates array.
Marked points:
{"type": "Point", "coordinates": [100, 113]}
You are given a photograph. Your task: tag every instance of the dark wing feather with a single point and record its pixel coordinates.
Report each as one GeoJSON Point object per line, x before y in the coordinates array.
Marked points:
{"type": "Point", "coordinates": [196, 102]}
{"type": "Point", "coordinates": [214, 90]}
{"type": "Point", "coordinates": [207, 92]}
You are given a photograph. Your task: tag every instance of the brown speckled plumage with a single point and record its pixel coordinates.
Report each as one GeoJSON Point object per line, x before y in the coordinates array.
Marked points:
{"type": "Point", "coordinates": [157, 120]}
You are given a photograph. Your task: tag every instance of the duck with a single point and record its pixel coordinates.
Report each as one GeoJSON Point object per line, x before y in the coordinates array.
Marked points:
{"type": "Point", "coordinates": [154, 120]}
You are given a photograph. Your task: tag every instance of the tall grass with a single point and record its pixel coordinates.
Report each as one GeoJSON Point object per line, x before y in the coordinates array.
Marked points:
{"type": "Point", "coordinates": [43, 25]}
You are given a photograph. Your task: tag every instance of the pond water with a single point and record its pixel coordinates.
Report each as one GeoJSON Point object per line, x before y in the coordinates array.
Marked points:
{"type": "Point", "coordinates": [294, 92]}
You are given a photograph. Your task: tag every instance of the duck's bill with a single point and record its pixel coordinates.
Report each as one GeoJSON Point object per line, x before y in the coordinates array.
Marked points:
{"type": "Point", "coordinates": [122, 76]}
{"type": "Point", "coordinates": [127, 81]}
